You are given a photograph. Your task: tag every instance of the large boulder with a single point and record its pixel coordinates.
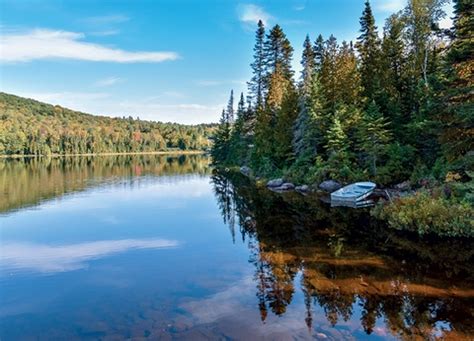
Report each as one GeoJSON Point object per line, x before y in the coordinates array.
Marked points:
{"type": "Point", "coordinates": [275, 183]}
{"type": "Point", "coordinates": [330, 186]}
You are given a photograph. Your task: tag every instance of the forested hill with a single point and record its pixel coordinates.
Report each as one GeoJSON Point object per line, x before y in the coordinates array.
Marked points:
{"type": "Point", "coordinates": [29, 127]}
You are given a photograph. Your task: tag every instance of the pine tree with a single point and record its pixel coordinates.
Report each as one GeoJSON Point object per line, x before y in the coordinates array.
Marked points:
{"type": "Point", "coordinates": [318, 52]}
{"type": "Point", "coordinates": [230, 108]}
{"type": "Point", "coordinates": [337, 140]}
{"type": "Point", "coordinates": [347, 77]}
{"type": "Point", "coordinates": [278, 53]}
{"type": "Point", "coordinates": [327, 75]}
{"type": "Point", "coordinates": [392, 78]}
{"type": "Point", "coordinates": [307, 134]}
{"type": "Point", "coordinates": [238, 139]}
{"type": "Point", "coordinates": [220, 150]}
{"type": "Point", "coordinates": [257, 83]}
{"type": "Point", "coordinates": [308, 63]}
{"type": "Point", "coordinates": [368, 45]}
{"type": "Point", "coordinates": [373, 134]}
{"type": "Point", "coordinates": [457, 99]}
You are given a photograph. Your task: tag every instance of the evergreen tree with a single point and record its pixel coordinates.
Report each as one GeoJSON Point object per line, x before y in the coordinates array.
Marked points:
{"type": "Point", "coordinates": [230, 108]}
{"type": "Point", "coordinates": [220, 150]}
{"type": "Point", "coordinates": [278, 53]}
{"type": "Point", "coordinates": [318, 52]}
{"type": "Point", "coordinates": [392, 77]}
{"type": "Point", "coordinates": [307, 129]}
{"type": "Point", "coordinates": [457, 99]}
{"type": "Point", "coordinates": [257, 83]}
{"type": "Point", "coordinates": [308, 63]}
{"type": "Point", "coordinates": [373, 134]}
{"type": "Point", "coordinates": [368, 45]}
{"type": "Point", "coordinates": [327, 76]}
{"type": "Point", "coordinates": [238, 139]}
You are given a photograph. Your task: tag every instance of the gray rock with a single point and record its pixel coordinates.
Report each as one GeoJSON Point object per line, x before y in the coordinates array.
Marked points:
{"type": "Point", "coordinates": [245, 170]}
{"type": "Point", "coordinates": [302, 188]}
{"type": "Point", "coordinates": [330, 186]}
{"type": "Point", "coordinates": [275, 183]}
{"type": "Point", "coordinates": [403, 186]}
{"type": "Point", "coordinates": [286, 186]}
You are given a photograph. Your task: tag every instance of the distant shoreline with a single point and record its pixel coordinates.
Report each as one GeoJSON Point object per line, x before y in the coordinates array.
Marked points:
{"type": "Point", "coordinates": [170, 152]}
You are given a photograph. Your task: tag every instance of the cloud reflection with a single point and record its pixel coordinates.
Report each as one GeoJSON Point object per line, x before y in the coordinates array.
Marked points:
{"type": "Point", "coordinates": [49, 259]}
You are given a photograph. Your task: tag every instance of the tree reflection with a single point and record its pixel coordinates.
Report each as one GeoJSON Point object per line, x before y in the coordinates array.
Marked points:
{"type": "Point", "coordinates": [28, 181]}
{"type": "Point", "coordinates": [417, 288]}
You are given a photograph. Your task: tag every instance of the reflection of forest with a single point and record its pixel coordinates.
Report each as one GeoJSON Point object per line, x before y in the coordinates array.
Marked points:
{"type": "Point", "coordinates": [421, 289]}
{"type": "Point", "coordinates": [28, 181]}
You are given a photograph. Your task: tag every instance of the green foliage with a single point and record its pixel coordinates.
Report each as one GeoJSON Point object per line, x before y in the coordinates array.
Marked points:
{"type": "Point", "coordinates": [400, 109]}
{"type": "Point", "coordinates": [373, 134]}
{"type": "Point", "coordinates": [425, 214]}
{"type": "Point", "coordinates": [30, 127]}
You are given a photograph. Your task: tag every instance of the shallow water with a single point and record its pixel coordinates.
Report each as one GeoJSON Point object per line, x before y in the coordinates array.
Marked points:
{"type": "Point", "coordinates": [159, 247]}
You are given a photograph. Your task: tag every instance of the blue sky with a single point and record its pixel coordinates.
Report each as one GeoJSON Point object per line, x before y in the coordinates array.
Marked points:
{"type": "Point", "coordinates": [166, 60]}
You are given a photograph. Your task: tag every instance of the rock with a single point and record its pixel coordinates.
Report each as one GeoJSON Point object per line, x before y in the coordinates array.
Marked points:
{"type": "Point", "coordinates": [245, 170]}
{"type": "Point", "coordinates": [403, 186]}
{"type": "Point", "coordinates": [302, 188]}
{"type": "Point", "coordinates": [286, 186]}
{"type": "Point", "coordinates": [275, 183]}
{"type": "Point", "coordinates": [330, 186]}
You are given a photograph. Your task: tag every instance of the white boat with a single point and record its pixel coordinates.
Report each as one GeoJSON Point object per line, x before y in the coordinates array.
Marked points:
{"type": "Point", "coordinates": [353, 193]}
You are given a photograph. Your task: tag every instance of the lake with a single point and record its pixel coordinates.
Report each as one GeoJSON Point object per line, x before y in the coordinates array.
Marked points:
{"type": "Point", "coordinates": [162, 247]}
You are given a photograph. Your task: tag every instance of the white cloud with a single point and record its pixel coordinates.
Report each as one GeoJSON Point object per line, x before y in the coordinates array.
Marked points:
{"type": "Point", "coordinates": [106, 19]}
{"type": "Point", "coordinates": [251, 14]}
{"type": "Point", "coordinates": [389, 5]}
{"type": "Point", "coordinates": [50, 259]}
{"type": "Point", "coordinates": [105, 33]}
{"type": "Point", "coordinates": [49, 44]}
{"type": "Point", "coordinates": [108, 81]}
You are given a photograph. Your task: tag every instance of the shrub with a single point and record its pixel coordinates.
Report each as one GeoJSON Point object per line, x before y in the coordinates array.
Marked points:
{"type": "Point", "coordinates": [425, 214]}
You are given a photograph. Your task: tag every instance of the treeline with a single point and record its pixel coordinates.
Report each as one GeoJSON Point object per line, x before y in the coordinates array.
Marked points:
{"type": "Point", "coordinates": [29, 127]}
{"type": "Point", "coordinates": [386, 109]}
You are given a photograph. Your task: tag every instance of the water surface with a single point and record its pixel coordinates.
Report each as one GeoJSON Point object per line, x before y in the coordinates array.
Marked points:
{"type": "Point", "coordinates": [150, 247]}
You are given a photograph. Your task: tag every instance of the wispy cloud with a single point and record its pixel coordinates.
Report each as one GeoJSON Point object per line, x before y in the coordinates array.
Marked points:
{"type": "Point", "coordinates": [251, 14]}
{"type": "Point", "coordinates": [50, 44]}
{"type": "Point", "coordinates": [105, 33]}
{"type": "Point", "coordinates": [50, 259]}
{"type": "Point", "coordinates": [108, 81]}
{"type": "Point", "coordinates": [389, 5]}
{"type": "Point", "coordinates": [212, 82]}
{"type": "Point", "coordinates": [106, 19]}
{"type": "Point", "coordinates": [299, 5]}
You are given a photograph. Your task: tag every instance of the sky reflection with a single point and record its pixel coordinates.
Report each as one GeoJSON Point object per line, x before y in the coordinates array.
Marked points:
{"type": "Point", "coordinates": [50, 259]}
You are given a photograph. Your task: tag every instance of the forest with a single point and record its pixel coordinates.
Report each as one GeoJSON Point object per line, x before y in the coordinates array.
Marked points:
{"type": "Point", "coordinates": [395, 105]}
{"type": "Point", "coordinates": [29, 127]}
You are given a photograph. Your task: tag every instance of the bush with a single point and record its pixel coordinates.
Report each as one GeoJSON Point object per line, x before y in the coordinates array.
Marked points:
{"type": "Point", "coordinates": [425, 214]}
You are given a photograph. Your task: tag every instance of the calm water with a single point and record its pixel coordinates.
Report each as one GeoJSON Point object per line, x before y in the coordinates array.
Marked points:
{"type": "Point", "coordinates": [150, 247]}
